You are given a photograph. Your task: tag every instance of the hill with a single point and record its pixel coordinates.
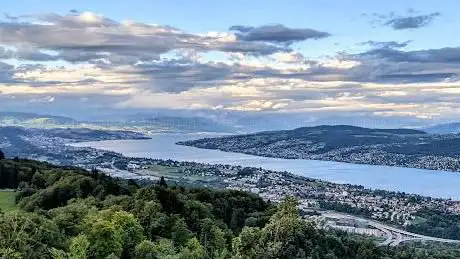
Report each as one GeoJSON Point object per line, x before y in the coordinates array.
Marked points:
{"type": "Point", "coordinates": [182, 124]}
{"type": "Point", "coordinates": [141, 123]}
{"type": "Point", "coordinates": [394, 147]}
{"type": "Point", "coordinates": [67, 212]}
{"type": "Point", "coordinates": [16, 118]}
{"type": "Point", "coordinates": [308, 140]}
{"type": "Point", "coordinates": [446, 128]}
{"type": "Point", "coordinates": [27, 142]}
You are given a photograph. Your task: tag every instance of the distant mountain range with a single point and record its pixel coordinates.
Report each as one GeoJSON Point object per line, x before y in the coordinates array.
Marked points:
{"type": "Point", "coordinates": [141, 124]}
{"type": "Point", "coordinates": [446, 128]}
{"type": "Point", "coordinates": [180, 123]}
{"type": "Point", "coordinates": [188, 124]}
{"type": "Point", "coordinates": [15, 118]}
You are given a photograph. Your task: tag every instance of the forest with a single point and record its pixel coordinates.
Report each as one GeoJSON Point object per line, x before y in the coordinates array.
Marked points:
{"type": "Point", "coordinates": [71, 213]}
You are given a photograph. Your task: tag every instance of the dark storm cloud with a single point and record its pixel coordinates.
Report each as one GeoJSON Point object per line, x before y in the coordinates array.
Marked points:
{"type": "Point", "coordinates": [411, 22]}
{"type": "Point", "coordinates": [277, 33]}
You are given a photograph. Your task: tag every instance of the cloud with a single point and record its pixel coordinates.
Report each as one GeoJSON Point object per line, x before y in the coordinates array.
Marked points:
{"type": "Point", "coordinates": [45, 99]}
{"type": "Point", "coordinates": [257, 105]}
{"type": "Point", "coordinates": [77, 20]}
{"type": "Point", "coordinates": [90, 37]}
{"type": "Point", "coordinates": [386, 44]}
{"type": "Point", "coordinates": [442, 55]}
{"type": "Point", "coordinates": [130, 89]}
{"type": "Point", "coordinates": [285, 57]}
{"type": "Point", "coordinates": [387, 63]}
{"type": "Point", "coordinates": [277, 33]}
{"type": "Point", "coordinates": [115, 67]}
{"type": "Point", "coordinates": [6, 72]}
{"type": "Point", "coordinates": [411, 22]}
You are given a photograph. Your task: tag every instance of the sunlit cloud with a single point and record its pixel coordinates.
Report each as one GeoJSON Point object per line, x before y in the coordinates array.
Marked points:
{"type": "Point", "coordinates": [53, 59]}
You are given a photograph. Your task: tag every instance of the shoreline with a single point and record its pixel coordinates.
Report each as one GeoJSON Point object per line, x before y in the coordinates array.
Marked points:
{"type": "Point", "coordinates": [322, 160]}
{"type": "Point", "coordinates": [296, 174]}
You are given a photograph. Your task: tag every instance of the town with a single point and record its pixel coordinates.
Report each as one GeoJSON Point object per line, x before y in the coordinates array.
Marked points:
{"type": "Point", "coordinates": [397, 147]}
{"type": "Point", "coordinates": [316, 197]}
{"type": "Point", "coordinates": [392, 207]}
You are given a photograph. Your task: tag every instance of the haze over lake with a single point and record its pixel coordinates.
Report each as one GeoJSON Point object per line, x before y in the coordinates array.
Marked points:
{"type": "Point", "coordinates": [419, 181]}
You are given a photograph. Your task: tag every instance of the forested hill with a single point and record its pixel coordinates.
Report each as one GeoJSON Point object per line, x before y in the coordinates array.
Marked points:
{"type": "Point", "coordinates": [306, 140]}
{"type": "Point", "coordinates": [394, 147]}
{"type": "Point", "coordinates": [310, 140]}
{"type": "Point", "coordinates": [65, 212]}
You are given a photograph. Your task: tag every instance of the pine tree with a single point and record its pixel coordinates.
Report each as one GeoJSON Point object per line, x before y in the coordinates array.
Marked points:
{"type": "Point", "coordinates": [162, 182]}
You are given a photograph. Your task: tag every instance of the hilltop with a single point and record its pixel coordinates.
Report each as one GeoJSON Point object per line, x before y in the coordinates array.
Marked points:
{"type": "Point", "coordinates": [33, 119]}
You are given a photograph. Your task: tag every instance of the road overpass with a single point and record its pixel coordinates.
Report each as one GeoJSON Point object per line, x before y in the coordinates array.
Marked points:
{"type": "Point", "coordinates": [393, 236]}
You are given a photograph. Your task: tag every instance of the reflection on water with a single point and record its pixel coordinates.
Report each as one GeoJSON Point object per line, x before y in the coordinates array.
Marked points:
{"type": "Point", "coordinates": [419, 181]}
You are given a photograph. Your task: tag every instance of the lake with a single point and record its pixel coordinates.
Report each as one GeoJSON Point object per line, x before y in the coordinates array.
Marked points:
{"type": "Point", "coordinates": [419, 181]}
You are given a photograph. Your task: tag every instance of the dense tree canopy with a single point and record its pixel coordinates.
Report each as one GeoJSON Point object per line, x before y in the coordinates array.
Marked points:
{"type": "Point", "coordinates": [70, 213]}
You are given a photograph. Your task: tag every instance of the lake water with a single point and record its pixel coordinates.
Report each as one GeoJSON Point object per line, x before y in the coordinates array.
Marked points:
{"type": "Point", "coordinates": [424, 182]}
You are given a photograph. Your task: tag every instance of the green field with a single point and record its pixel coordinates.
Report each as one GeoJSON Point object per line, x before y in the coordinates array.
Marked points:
{"type": "Point", "coordinates": [173, 173]}
{"type": "Point", "coordinates": [7, 200]}
{"type": "Point", "coordinates": [163, 169]}
{"type": "Point", "coordinates": [419, 220]}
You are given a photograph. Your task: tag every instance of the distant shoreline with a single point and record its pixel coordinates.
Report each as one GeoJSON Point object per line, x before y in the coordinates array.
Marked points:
{"type": "Point", "coordinates": [389, 178]}
{"type": "Point", "coordinates": [183, 143]}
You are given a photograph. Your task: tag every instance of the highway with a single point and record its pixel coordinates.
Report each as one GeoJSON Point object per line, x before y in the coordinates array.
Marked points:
{"type": "Point", "coordinates": [393, 236]}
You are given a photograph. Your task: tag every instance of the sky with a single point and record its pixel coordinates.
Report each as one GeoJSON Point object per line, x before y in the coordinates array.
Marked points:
{"type": "Point", "coordinates": [391, 62]}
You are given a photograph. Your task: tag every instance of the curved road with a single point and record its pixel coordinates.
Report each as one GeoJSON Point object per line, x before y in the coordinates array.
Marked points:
{"type": "Point", "coordinates": [394, 236]}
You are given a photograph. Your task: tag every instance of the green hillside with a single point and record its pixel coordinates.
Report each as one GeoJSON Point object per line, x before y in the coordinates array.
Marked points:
{"type": "Point", "coordinates": [7, 200]}
{"type": "Point", "coordinates": [66, 212]}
